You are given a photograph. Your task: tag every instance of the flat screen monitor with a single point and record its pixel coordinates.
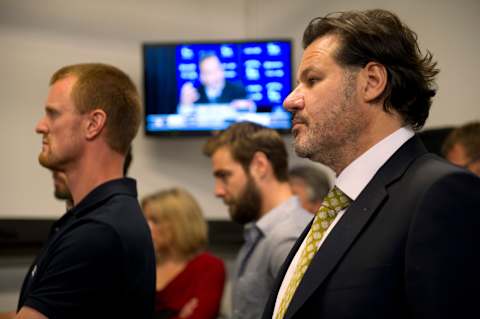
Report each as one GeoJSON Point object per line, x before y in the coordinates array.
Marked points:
{"type": "Point", "coordinates": [197, 88]}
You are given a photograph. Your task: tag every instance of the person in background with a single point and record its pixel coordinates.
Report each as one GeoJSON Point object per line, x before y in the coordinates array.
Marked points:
{"type": "Point", "coordinates": [250, 166]}
{"type": "Point", "coordinates": [462, 147]}
{"type": "Point", "coordinates": [214, 88]}
{"type": "Point", "coordinates": [397, 236]}
{"type": "Point", "coordinates": [98, 261]}
{"type": "Point", "coordinates": [190, 281]}
{"type": "Point", "coordinates": [310, 184]}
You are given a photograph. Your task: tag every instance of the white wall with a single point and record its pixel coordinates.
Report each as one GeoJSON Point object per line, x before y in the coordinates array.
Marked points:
{"type": "Point", "coordinates": [38, 37]}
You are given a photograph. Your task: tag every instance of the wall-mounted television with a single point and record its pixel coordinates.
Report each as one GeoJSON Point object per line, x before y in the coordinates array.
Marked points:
{"type": "Point", "coordinates": [197, 88]}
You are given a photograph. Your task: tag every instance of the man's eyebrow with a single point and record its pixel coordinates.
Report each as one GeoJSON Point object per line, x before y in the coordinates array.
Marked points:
{"type": "Point", "coordinates": [50, 109]}
{"type": "Point", "coordinates": [304, 73]}
{"type": "Point", "coordinates": [220, 173]}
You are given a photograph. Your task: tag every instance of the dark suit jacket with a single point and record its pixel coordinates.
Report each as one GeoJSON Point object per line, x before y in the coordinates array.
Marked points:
{"type": "Point", "coordinates": [405, 248]}
{"type": "Point", "coordinates": [231, 91]}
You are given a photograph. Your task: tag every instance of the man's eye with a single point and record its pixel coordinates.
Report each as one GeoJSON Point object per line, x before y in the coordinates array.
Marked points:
{"type": "Point", "coordinates": [52, 113]}
{"type": "Point", "coordinates": [223, 176]}
{"type": "Point", "coordinates": [312, 81]}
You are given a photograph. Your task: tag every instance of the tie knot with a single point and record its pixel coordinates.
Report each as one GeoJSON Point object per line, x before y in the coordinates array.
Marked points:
{"type": "Point", "coordinates": [336, 200]}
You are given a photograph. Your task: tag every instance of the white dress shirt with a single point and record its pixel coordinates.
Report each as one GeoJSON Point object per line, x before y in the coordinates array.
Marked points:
{"type": "Point", "coordinates": [352, 180]}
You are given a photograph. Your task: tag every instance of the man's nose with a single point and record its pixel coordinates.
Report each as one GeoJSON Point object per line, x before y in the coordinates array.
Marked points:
{"type": "Point", "coordinates": [294, 100]}
{"type": "Point", "coordinates": [41, 127]}
{"type": "Point", "coordinates": [219, 190]}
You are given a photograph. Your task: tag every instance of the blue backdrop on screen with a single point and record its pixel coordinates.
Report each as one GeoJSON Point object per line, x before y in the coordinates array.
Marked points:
{"type": "Point", "coordinates": [263, 68]}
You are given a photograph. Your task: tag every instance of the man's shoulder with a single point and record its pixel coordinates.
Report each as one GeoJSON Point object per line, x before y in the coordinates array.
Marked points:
{"type": "Point", "coordinates": [430, 168]}
{"type": "Point", "coordinates": [294, 217]}
{"type": "Point", "coordinates": [118, 209]}
{"type": "Point", "coordinates": [414, 165]}
{"type": "Point", "coordinates": [436, 173]}
{"type": "Point", "coordinates": [431, 179]}
{"type": "Point", "coordinates": [90, 235]}
{"type": "Point", "coordinates": [234, 88]}
{"type": "Point", "coordinates": [290, 226]}
{"type": "Point", "coordinates": [107, 199]}
{"type": "Point", "coordinates": [117, 203]}
{"type": "Point", "coordinates": [118, 220]}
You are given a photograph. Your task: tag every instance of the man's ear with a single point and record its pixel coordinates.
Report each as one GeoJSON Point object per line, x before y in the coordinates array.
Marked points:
{"type": "Point", "coordinates": [374, 77]}
{"type": "Point", "coordinates": [96, 121]}
{"type": "Point", "coordinates": [260, 165]}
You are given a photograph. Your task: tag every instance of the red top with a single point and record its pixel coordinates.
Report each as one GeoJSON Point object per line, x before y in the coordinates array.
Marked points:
{"type": "Point", "coordinates": [203, 278]}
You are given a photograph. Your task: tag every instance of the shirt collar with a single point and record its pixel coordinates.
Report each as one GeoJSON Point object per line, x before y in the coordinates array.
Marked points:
{"type": "Point", "coordinates": [355, 177]}
{"type": "Point", "coordinates": [214, 93]}
{"type": "Point", "coordinates": [98, 195]}
{"type": "Point", "coordinates": [268, 221]}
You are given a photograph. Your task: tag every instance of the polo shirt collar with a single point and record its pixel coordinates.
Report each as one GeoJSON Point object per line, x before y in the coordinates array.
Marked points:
{"type": "Point", "coordinates": [121, 186]}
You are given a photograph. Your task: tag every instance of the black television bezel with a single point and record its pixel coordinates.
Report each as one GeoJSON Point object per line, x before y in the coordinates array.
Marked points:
{"type": "Point", "coordinates": [203, 133]}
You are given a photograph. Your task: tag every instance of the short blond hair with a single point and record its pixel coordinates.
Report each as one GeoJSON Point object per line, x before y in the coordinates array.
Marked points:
{"type": "Point", "coordinates": [180, 210]}
{"type": "Point", "coordinates": [107, 88]}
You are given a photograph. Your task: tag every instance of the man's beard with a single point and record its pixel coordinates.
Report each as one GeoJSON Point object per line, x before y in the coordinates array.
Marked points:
{"type": "Point", "coordinates": [48, 160]}
{"type": "Point", "coordinates": [61, 190]}
{"type": "Point", "coordinates": [62, 194]}
{"type": "Point", "coordinates": [246, 208]}
{"type": "Point", "coordinates": [55, 157]}
{"type": "Point", "coordinates": [331, 140]}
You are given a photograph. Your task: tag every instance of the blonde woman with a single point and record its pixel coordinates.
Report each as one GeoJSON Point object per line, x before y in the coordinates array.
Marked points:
{"type": "Point", "coordinates": [190, 281]}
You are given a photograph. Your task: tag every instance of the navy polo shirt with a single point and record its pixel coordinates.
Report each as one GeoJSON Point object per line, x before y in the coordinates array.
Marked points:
{"type": "Point", "coordinates": [98, 261]}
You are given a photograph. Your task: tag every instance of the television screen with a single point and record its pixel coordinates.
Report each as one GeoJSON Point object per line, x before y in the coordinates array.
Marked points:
{"type": "Point", "coordinates": [197, 88]}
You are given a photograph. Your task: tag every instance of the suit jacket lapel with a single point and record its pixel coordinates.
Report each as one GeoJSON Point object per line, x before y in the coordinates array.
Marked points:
{"type": "Point", "coordinates": [336, 244]}
{"type": "Point", "coordinates": [350, 225]}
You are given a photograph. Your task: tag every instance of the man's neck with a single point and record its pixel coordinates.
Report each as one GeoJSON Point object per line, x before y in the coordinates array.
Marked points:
{"type": "Point", "coordinates": [381, 126]}
{"type": "Point", "coordinates": [93, 170]}
{"type": "Point", "coordinates": [274, 194]}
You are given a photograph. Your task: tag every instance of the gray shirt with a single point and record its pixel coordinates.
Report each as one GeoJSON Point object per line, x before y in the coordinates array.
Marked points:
{"type": "Point", "coordinates": [267, 244]}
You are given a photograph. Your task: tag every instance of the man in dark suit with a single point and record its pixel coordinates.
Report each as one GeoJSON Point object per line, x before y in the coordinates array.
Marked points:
{"type": "Point", "coordinates": [403, 245]}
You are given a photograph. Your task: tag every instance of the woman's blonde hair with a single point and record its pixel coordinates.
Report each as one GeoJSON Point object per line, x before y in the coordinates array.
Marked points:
{"type": "Point", "coordinates": [179, 209]}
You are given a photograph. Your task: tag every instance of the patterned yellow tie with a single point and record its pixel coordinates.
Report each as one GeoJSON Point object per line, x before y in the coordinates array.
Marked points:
{"type": "Point", "coordinates": [334, 202]}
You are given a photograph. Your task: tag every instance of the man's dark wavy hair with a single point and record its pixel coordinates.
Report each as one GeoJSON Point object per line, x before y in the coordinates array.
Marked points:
{"type": "Point", "coordinates": [379, 36]}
